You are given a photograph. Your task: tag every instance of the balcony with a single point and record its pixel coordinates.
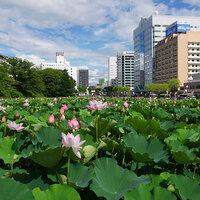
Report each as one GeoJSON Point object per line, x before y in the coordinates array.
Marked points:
{"type": "Point", "coordinates": [193, 45]}
{"type": "Point", "coordinates": [194, 50]}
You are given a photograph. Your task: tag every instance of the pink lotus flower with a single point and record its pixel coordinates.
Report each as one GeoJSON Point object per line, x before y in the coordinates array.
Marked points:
{"type": "Point", "coordinates": [17, 114]}
{"type": "Point", "coordinates": [96, 105]}
{"type": "Point", "coordinates": [51, 119]}
{"type": "Point", "coordinates": [64, 107]}
{"type": "Point", "coordinates": [2, 109]}
{"type": "Point", "coordinates": [72, 141]}
{"type": "Point", "coordinates": [26, 101]}
{"type": "Point", "coordinates": [13, 126]}
{"type": "Point", "coordinates": [74, 124]}
{"type": "Point", "coordinates": [62, 117]}
{"type": "Point", "coordinates": [3, 118]}
{"type": "Point", "coordinates": [61, 111]}
{"type": "Point", "coordinates": [26, 104]}
{"type": "Point", "coordinates": [126, 104]}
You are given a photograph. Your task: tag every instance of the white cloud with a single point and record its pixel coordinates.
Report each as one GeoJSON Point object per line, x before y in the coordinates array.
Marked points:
{"type": "Point", "coordinates": [96, 74]}
{"type": "Point", "coordinates": [35, 30]}
{"type": "Point", "coordinates": [192, 2]}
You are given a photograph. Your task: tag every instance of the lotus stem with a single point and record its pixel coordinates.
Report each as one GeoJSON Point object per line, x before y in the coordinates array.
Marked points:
{"type": "Point", "coordinates": [194, 172]}
{"type": "Point", "coordinates": [124, 154]}
{"type": "Point", "coordinates": [4, 131]}
{"type": "Point", "coordinates": [68, 164]}
{"type": "Point", "coordinates": [97, 127]}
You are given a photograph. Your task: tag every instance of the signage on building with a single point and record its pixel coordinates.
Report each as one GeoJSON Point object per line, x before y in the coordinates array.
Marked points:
{"type": "Point", "coordinates": [128, 52]}
{"type": "Point", "coordinates": [177, 28]}
{"type": "Point", "coordinates": [183, 27]}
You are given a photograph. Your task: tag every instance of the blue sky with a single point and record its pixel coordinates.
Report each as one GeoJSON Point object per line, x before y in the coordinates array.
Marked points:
{"type": "Point", "coordinates": [88, 31]}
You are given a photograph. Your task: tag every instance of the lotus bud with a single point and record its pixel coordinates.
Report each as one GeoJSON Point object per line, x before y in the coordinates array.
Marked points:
{"type": "Point", "coordinates": [3, 119]}
{"type": "Point", "coordinates": [61, 111]}
{"type": "Point", "coordinates": [51, 119]}
{"type": "Point", "coordinates": [17, 114]}
{"type": "Point", "coordinates": [62, 117]}
{"type": "Point", "coordinates": [65, 107]}
{"type": "Point", "coordinates": [126, 104]}
{"type": "Point", "coordinates": [186, 119]}
{"type": "Point", "coordinates": [74, 124]}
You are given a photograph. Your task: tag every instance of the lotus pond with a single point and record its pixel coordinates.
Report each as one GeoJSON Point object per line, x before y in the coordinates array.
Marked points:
{"type": "Point", "coordinates": [113, 148]}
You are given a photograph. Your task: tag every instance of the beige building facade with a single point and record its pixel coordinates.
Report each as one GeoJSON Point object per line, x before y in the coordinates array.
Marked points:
{"type": "Point", "coordinates": [177, 56]}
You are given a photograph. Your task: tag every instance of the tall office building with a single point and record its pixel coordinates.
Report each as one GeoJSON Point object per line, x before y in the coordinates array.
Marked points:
{"type": "Point", "coordinates": [125, 69]}
{"type": "Point", "coordinates": [61, 64]}
{"type": "Point", "coordinates": [112, 71]}
{"type": "Point", "coordinates": [83, 77]}
{"type": "Point", "coordinates": [149, 32]}
{"type": "Point", "coordinates": [178, 56]}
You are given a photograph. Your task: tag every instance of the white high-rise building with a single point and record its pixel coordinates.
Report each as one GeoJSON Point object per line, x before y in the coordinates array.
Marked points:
{"type": "Point", "coordinates": [62, 64]}
{"type": "Point", "coordinates": [112, 70]}
{"type": "Point", "coordinates": [146, 36]}
{"type": "Point", "coordinates": [125, 69]}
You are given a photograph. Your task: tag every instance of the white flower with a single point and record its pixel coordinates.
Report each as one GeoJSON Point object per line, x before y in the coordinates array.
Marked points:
{"type": "Point", "coordinates": [70, 141]}
{"type": "Point", "coordinates": [2, 109]}
{"type": "Point", "coordinates": [13, 126]}
{"type": "Point", "coordinates": [26, 101]}
{"type": "Point", "coordinates": [26, 104]}
{"type": "Point", "coordinates": [50, 104]}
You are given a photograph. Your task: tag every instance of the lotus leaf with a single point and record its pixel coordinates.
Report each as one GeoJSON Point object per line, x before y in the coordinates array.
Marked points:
{"type": "Point", "coordinates": [146, 149]}
{"type": "Point", "coordinates": [112, 181]}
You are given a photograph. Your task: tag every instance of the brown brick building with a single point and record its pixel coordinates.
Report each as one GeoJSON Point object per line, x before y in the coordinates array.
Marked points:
{"type": "Point", "coordinates": [177, 56]}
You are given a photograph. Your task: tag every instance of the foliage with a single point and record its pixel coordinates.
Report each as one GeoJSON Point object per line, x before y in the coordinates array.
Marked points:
{"type": "Point", "coordinates": [174, 84]}
{"type": "Point", "coordinates": [149, 150]}
{"type": "Point", "coordinates": [21, 78]}
{"type": "Point", "coordinates": [81, 88]}
{"type": "Point", "coordinates": [157, 87]}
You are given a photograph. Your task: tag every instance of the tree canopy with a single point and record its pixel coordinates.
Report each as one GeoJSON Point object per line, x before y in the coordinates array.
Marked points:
{"type": "Point", "coordinates": [21, 78]}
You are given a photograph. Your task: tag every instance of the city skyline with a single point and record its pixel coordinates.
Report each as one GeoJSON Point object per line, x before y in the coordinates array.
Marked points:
{"type": "Point", "coordinates": [88, 31]}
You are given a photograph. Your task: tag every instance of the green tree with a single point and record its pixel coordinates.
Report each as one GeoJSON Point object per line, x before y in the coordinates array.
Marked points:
{"type": "Point", "coordinates": [157, 87]}
{"type": "Point", "coordinates": [174, 85]}
{"type": "Point", "coordinates": [52, 80]}
{"type": "Point", "coordinates": [67, 87]}
{"type": "Point", "coordinates": [7, 83]}
{"type": "Point", "coordinates": [82, 89]}
{"type": "Point", "coordinates": [90, 90]}
{"type": "Point", "coordinates": [26, 76]}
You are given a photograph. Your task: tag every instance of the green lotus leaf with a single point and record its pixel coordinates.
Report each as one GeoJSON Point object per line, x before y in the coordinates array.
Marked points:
{"type": "Point", "coordinates": [180, 152]}
{"type": "Point", "coordinates": [186, 187]}
{"type": "Point", "coordinates": [11, 189]}
{"type": "Point", "coordinates": [80, 174]}
{"type": "Point", "coordinates": [137, 114]}
{"type": "Point", "coordinates": [89, 139]}
{"type": "Point", "coordinates": [56, 192]}
{"type": "Point", "coordinates": [112, 181]}
{"type": "Point", "coordinates": [89, 152]}
{"type": "Point", "coordinates": [147, 127]}
{"type": "Point", "coordinates": [104, 125]}
{"type": "Point", "coordinates": [186, 136]}
{"type": "Point", "coordinates": [48, 158]}
{"type": "Point", "coordinates": [162, 114]}
{"type": "Point", "coordinates": [49, 136]}
{"type": "Point", "coordinates": [32, 119]}
{"type": "Point", "coordinates": [144, 192]}
{"type": "Point", "coordinates": [8, 149]}
{"type": "Point", "coordinates": [146, 149]}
